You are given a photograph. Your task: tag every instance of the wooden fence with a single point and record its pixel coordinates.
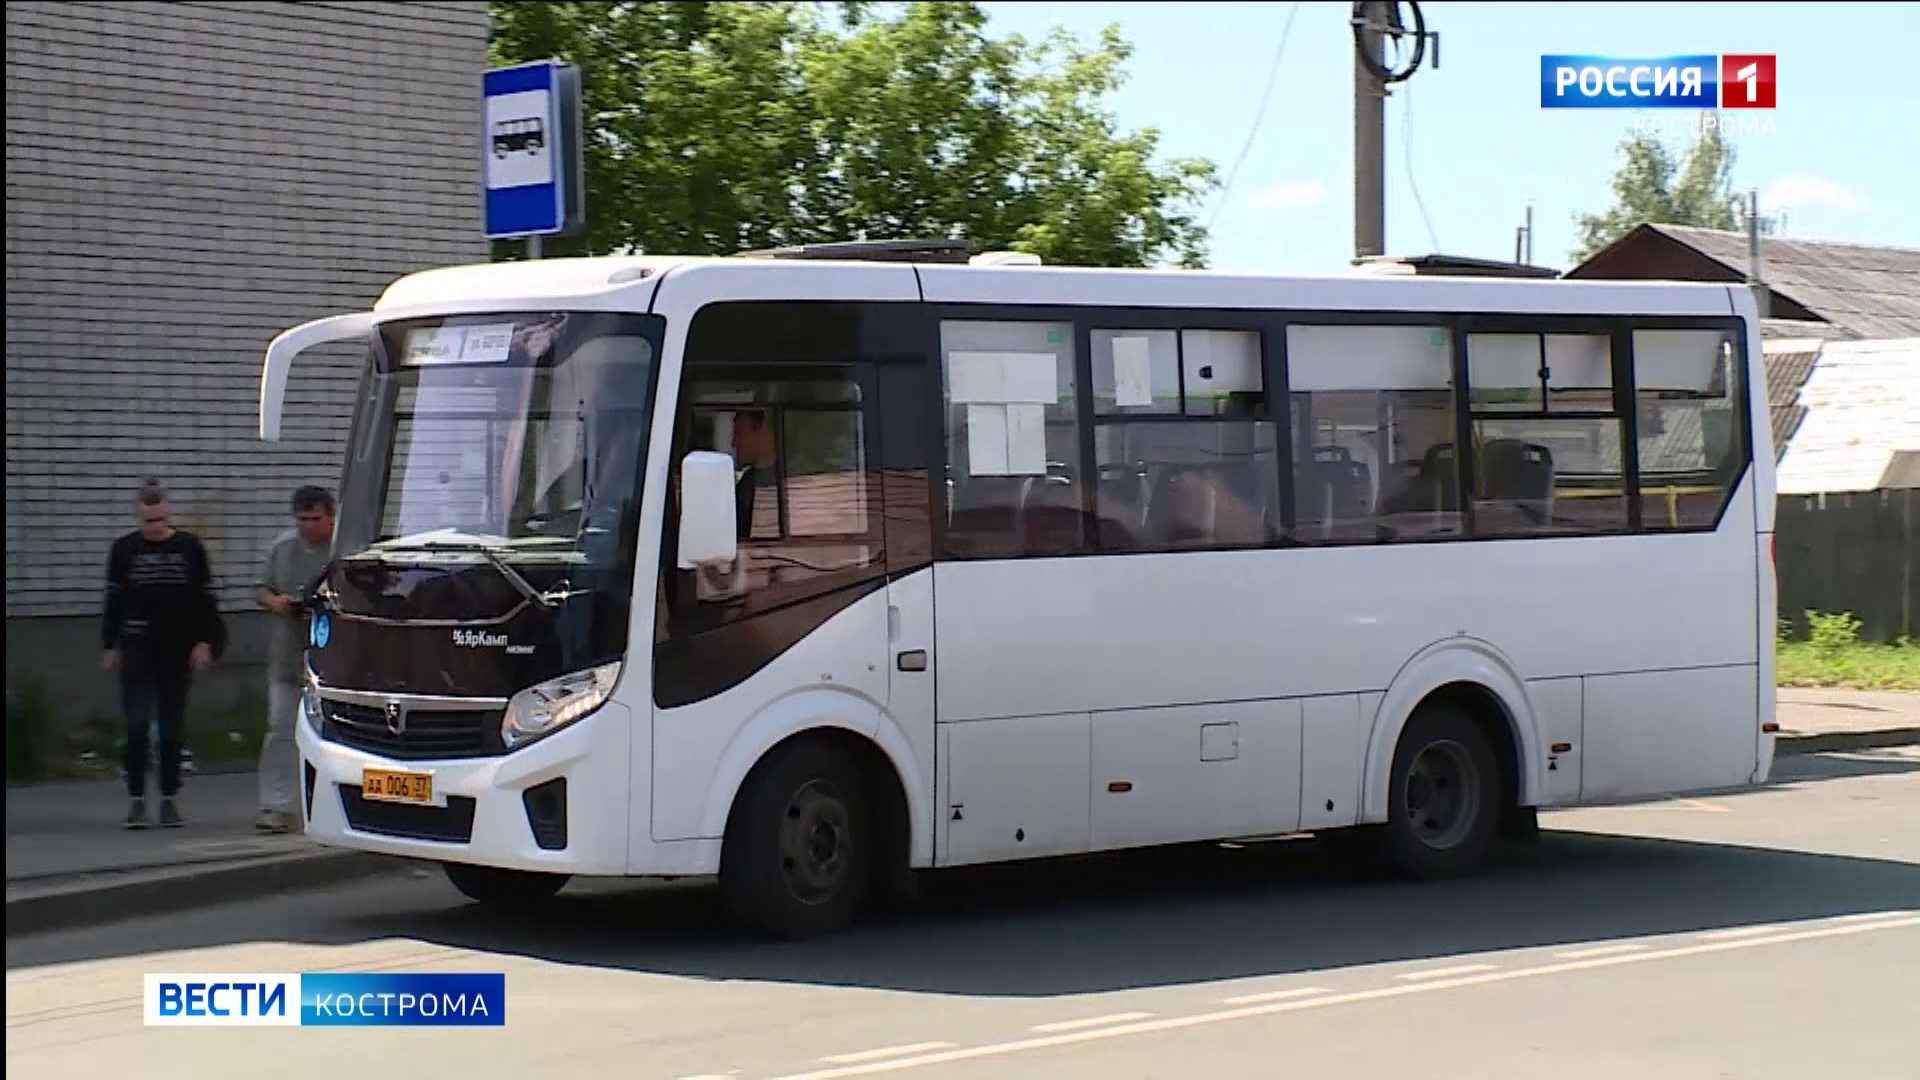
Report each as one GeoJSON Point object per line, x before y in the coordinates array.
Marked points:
{"type": "Point", "coordinates": [1857, 552]}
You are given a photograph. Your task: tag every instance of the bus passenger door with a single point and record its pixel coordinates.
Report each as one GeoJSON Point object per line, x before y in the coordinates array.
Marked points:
{"type": "Point", "coordinates": [907, 447]}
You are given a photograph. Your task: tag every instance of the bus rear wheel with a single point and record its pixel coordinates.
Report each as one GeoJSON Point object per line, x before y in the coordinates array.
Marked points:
{"type": "Point", "coordinates": [505, 889]}
{"type": "Point", "coordinates": [798, 855]}
{"type": "Point", "coordinates": [1445, 802]}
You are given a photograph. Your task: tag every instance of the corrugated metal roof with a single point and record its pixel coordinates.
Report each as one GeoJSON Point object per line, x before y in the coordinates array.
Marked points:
{"type": "Point", "coordinates": [1870, 291]}
{"type": "Point", "coordinates": [1798, 328]}
{"type": "Point", "coordinates": [1903, 471]}
{"type": "Point", "coordinates": [1788, 363]}
{"type": "Point", "coordinates": [1862, 405]}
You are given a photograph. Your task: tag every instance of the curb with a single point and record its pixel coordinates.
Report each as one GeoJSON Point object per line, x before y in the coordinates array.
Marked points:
{"type": "Point", "coordinates": [116, 897]}
{"type": "Point", "coordinates": [1790, 745]}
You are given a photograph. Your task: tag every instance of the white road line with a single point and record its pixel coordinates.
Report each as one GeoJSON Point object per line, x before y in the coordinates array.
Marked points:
{"type": "Point", "coordinates": [1275, 995]}
{"type": "Point", "coordinates": [1741, 932]}
{"type": "Point", "coordinates": [1896, 920]}
{"type": "Point", "coordinates": [1448, 973]}
{"type": "Point", "coordinates": [1598, 950]}
{"type": "Point", "coordinates": [1089, 1022]}
{"type": "Point", "coordinates": [860, 1056]}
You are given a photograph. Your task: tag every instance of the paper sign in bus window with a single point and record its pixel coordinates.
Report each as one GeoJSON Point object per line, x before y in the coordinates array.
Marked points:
{"type": "Point", "coordinates": [996, 378]}
{"type": "Point", "coordinates": [434, 345]}
{"type": "Point", "coordinates": [974, 379]}
{"type": "Point", "coordinates": [490, 344]}
{"type": "Point", "coordinates": [1132, 372]}
{"type": "Point", "coordinates": [987, 440]}
{"type": "Point", "coordinates": [1027, 440]}
{"type": "Point", "coordinates": [1030, 378]}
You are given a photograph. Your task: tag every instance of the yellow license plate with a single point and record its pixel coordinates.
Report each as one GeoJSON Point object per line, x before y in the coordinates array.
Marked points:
{"type": "Point", "coordinates": [392, 785]}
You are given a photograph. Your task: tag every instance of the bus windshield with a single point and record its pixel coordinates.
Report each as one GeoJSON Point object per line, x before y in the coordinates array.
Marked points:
{"type": "Point", "coordinates": [502, 449]}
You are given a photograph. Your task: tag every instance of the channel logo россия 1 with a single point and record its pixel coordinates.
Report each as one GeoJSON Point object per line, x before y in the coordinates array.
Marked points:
{"type": "Point", "coordinates": [1726, 81]}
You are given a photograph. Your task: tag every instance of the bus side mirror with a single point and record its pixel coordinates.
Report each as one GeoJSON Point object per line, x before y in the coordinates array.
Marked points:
{"type": "Point", "coordinates": [281, 352]}
{"type": "Point", "coordinates": [708, 519]}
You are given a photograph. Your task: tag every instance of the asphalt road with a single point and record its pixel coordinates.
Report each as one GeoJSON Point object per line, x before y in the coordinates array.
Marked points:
{"type": "Point", "coordinates": [1770, 934]}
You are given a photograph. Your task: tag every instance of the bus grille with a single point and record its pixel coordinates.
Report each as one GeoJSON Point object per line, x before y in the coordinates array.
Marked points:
{"type": "Point", "coordinates": [426, 733]}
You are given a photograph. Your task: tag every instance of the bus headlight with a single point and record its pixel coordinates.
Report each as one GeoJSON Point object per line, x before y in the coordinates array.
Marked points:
{"type": "Point", "coordinates": [552, 705]}
{"type": "Point", "coordinates": [310, 707]}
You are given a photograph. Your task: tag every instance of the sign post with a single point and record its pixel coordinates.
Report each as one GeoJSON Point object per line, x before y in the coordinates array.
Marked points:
{"type": "Point", "coordinates": [532, 165]}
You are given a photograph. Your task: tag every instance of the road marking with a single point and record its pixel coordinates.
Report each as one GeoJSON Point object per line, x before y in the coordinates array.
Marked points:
{"type": "Point", "coordinates": [1275, 995]}
{"type": "Point", "coordinates": [1703, 805]}
{"type": "Point", "coordinates": [1448, 973]}
{"type": "Point", "coordinates": [1741, 932]}
{"type": "Point", "coordinates": [1598, 950]}
{"type": "Point", "coordinates": [1089, 1022]}
{"type": "Point", "coordinates": [860, 1056]}
{"type": "Point", "coordinates": [1895, 920]}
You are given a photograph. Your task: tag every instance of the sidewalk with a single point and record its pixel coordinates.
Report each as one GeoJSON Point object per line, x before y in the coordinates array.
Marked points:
{"type": "Point", "coordinates": [70, 863]}
{"type": "Point", "coordinates": [1815, 720]}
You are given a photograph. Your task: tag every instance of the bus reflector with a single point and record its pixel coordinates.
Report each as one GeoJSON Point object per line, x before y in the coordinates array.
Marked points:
{"type": "Point", "coordinates": [1563, 748]}
{"type": "Point", "coordinates": [1120, 787]}
{"type": "Point", "coordinates": [1769, 727]}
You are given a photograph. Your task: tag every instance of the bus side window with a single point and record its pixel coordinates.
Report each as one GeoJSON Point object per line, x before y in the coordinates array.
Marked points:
{"type": "Point", "coordinates": [1013, 439]}
{"type": "Point", "coordinates": [1187, 456]}
{"type": "Point", "coordinates": [1373, 432]}
{"type": "Point", "coordinates": [805, 488]}
{"type": "Point", "coordinates": [1547, 436]}
{"type": "Point", "coordinates": [1691, 412]}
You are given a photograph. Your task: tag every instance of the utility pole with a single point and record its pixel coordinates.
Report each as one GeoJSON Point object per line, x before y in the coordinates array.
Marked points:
{"type": "Point", "coordinates": [1523, 241]}
{"type": "Point", "coordinates": [1756, 281]}
{"type": "Point", "coordinates": [1373, 22]}
{"type": "Point", "coordinates": [1369, 132]}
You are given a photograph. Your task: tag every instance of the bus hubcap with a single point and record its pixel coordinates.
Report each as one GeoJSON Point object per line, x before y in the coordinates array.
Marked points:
{"type": "Point", "coordinates": [814, 839]}
{"type": "Point", "coordinates": [1442, 795]}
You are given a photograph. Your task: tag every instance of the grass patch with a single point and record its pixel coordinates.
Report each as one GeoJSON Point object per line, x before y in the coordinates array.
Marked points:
{"type": "Point", "coordinates": [40, 748]}
{"type": "Point", "coordinates": [1833, 656]}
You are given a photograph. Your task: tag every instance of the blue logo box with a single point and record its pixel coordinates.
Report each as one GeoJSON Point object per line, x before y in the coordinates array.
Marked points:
{"type": "Point", "coordinates": [1626, 82]}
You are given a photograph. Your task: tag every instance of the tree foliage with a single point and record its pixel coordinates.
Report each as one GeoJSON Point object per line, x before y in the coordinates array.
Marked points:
{"type": "Point", "coordinates": [1655, 186]}
{"type": "Point", "coordinates": [718, 127]}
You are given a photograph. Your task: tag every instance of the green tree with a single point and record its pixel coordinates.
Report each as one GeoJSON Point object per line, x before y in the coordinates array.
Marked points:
{"type": "Point", "coordinates": [718, 127]}
{"type": "Point", "coordinates": [1655, 186]}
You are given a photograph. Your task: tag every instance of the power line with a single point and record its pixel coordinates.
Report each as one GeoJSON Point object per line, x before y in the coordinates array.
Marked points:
{"type": "Point", "coordinates": [1406, 156]}
{"type": "Point", "coordinates": [1273, 74]}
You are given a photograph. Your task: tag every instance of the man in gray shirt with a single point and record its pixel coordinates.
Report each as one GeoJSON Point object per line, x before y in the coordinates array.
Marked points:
{"type": "Point", "coordinates": [292, 567]}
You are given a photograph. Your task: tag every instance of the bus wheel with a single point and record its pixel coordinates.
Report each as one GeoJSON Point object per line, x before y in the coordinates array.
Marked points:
{"type": "Point", "coordinates": [508, 889]}
{"type": "Point", "coordinates": [1444, 806]}
{"type": "Point", "coordinates": [798, 853]}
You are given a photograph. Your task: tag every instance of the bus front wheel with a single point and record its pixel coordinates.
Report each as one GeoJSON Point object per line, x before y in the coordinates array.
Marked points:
{"type": "Point", "coordinates": [798, 854]}
{"type": "Point", "coordinates": [506, 889]}
{"type": "Point", "coordinates": [1445, 803]}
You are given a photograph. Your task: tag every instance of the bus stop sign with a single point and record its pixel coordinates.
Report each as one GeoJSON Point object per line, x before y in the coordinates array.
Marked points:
{"type": "Point", "coordinates": [531, 164]}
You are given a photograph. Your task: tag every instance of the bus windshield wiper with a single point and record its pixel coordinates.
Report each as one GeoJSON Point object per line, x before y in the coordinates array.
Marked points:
{"type": "Point", "coordinates": [492, 555]}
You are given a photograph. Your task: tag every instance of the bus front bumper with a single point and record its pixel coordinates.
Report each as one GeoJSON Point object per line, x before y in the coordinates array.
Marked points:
{"type": "Point", "coordinates": [559, 804]}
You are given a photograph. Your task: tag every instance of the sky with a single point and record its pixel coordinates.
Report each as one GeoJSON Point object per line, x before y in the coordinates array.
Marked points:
{"type": "Point", "coordinates": [1469, 141]}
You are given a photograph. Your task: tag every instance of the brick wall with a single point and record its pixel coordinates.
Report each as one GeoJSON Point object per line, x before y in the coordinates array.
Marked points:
{"type": "Point", "coordinates": [184, 181]}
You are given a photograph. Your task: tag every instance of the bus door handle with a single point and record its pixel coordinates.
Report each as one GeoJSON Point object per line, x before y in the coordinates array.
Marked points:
{"type": "Point", "coordinates": [911, 660]}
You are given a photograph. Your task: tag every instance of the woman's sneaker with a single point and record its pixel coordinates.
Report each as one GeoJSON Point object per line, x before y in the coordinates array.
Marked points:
{"type": "Point", "coordinates": [169, 815]}
{"type": "Point", "coordinates": [137, 814]}
{"type": "Point", "coordinates": [273, 821]}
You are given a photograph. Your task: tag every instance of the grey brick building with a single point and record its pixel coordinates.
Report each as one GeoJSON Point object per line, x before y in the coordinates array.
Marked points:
{"type": "Point", "coordinates": [185, 180]}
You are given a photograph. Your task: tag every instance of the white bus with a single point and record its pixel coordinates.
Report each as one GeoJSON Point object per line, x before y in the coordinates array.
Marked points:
{"type": "Point", "coordinates": [813, 570]}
